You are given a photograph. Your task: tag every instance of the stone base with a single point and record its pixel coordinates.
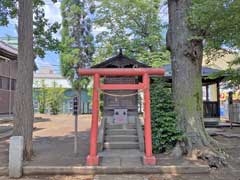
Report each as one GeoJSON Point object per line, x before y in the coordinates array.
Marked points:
{"type": "Point", "coordinates": [149, 160]}
{"type": "Point", "coordinates": [92, 160]}
{"type": "Point", "coordinates": [93, 170]}
{"type": "Point", "coordinates": [16, 156]}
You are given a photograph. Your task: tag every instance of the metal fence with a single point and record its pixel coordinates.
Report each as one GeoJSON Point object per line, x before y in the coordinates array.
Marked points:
{"type": "Point", "coordinates": [66, 107]}
{"type": "Point", "coordinates": [234, 112]}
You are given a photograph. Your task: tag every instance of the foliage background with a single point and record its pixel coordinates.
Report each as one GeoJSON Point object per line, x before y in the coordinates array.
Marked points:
{"type": "Point", "coordinates": [165, 133]}
{"type": "Point", "coordinates": [217, 22]}
{"type": "Point", "coordinates": [49, 97]}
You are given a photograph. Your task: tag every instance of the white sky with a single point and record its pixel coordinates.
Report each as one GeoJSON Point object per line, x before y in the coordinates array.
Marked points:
{"type": "Point", "coordinates": [53, 14]}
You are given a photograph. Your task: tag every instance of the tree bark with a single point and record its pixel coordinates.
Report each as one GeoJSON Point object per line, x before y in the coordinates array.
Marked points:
{"type": "Point", "coordinates": [186, 57]}
{"type": "Point", "coordinates": [23, 106]}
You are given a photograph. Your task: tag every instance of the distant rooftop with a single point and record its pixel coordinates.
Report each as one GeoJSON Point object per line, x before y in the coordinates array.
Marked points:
{"type": "Point", "coordinates": [206, 71]}
{"type": "Point", "coordinates": [49, 76]}
{"type": "Point", "coordinates": [7, 51]}
{"type": "Point", "coordinates": [47, 72]}
{"type": "Point", "coordinates": [13, 41]}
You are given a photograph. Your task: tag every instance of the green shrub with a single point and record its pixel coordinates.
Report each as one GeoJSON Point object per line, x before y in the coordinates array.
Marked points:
{"type": "Point", "coordinates": [55, 98]}
{"type": "Point", "coordinates": [40, 94]}
{"type": "Point", "coordinates": [164, 128]}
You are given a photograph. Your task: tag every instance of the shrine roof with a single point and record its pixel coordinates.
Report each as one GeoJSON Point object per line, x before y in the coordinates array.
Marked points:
{"type": "Point", "coordinates": [120, 61]}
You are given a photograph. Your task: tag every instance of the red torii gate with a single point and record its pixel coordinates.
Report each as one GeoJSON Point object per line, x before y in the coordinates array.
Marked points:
{"type": "Point", "coordinates": [93, 159]}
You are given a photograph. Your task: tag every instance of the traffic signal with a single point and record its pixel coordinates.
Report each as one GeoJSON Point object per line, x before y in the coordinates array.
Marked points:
{"type": "Point", "coordinates": [75, 105]}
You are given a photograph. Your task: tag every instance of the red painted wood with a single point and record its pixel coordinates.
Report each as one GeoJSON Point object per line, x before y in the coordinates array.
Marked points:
{"type": "Point", "coordinates": [121, 86]}
{"type": "Point", "coordinates": [92, 159]}
{"type": "Point", "coordinates": [149, 158]}
{"type": "Point", "coordinates": [121, 72]}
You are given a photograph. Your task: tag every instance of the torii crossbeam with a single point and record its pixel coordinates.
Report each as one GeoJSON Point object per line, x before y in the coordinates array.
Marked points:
{"type": "Point", "coordinates": [93, 159]}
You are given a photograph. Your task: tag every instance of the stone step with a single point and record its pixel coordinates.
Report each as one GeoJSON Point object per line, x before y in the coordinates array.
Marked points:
{"type": "Point", "coordinates": [121, 153]}
{"type": "Point", "coordinates": [121, 132]}
{"type": "Point", "coordinates": [121, 145]}
{"type": "Point", "coordinates": [121, 161]}
{"type": "Point", "coordinates": [121, 126]}
{"type": "Point", "coordinates": [111, 138]}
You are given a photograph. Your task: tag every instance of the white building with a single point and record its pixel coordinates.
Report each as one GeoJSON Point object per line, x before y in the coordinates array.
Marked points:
{"type": "Point", "coordinates": [47, 74]}
{"type": "Point", "coordinates": [49, 77]}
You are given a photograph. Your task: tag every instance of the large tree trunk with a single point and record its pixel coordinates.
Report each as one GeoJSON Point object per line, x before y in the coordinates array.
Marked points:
{"type": "Point", "coordinates": [23, 107]}
{"type": "Point", "coordinates": [186, 56]}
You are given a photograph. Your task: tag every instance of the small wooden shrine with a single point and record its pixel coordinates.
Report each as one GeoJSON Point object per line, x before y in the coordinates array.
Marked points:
{"type": "Point", "coordinates": [120, 127]}
{"type": "Point", "coordinates": [118, 100]}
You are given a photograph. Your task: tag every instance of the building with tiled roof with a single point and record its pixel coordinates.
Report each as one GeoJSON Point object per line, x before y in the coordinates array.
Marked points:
{"type": "Point", "coordinates": [8, 73]}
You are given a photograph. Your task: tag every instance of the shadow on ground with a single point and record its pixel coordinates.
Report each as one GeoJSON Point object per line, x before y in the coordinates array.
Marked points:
{"type": "Point", "coordinates": [4, 145]}
{"type": "Point", "coordinates": [40, 119]}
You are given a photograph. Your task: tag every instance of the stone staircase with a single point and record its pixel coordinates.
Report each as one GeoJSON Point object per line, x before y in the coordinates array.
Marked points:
{"type": "Point", "coordinates": [121, 137]}
{"type": "Point", "coordinates": [122, 144]}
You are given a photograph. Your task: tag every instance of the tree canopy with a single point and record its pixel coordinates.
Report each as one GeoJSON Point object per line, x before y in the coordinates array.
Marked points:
{"type": "Point", "coordinates": [217, 22]}
{"type": "Point", "coordinates": [43, 30]}
{"type": "Point", "coordinates": [134, 26]}
{"type": "Point", "coordinates": [77, 46]}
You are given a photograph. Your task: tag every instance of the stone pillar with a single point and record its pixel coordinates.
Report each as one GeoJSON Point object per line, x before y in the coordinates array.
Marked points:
{"type": "Point", "coordinates": [16, 156]}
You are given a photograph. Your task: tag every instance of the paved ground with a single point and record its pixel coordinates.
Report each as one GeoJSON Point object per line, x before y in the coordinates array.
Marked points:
{"type": "Point", "coordinates": [5, 132]}
{"type": "Point", "coordinates": [51, 178]}
{"type": "Point", "coordinates": [54, 137]}
{"type": "Point", "coordinates": [4, 118]}
{"type": "Point", "coordinates": [212, 176]}
{"type": "Point", "coordinates": [53, 145]}
{"type": "Point", "coordinates": [150, 177]}
{"type": "Point", "coordinates": [3, 152]}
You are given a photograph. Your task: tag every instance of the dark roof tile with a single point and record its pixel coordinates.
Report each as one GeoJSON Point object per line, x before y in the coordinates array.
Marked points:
{"type": "Point", "coordinates": [119, 61]}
